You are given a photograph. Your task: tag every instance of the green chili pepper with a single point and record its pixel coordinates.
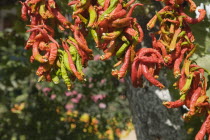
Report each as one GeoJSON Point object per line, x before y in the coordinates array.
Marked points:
{"type": "Point", "coordinates": [64, 75]}
{"type": "Point", "coordinates": [55, 77]}
{"type": "Point", "coordinates": [79, 64]}
{"type": "Point", "coordinates": [66, 62]}
{"type": "Point", "coordinates": [95, 36]}
{"type": "Point", "coordinates": [92, 15]}
{"type": "Point", "coordinates": [73, 52]}
{"type": "Point", "coordinates": [182, 33]}
{"type": "Point", "coordinates": [112, 6]}
{"type": "Point", "coordinates": [187, 84]}
{"type": "Point", "coordinates": [101, 2]}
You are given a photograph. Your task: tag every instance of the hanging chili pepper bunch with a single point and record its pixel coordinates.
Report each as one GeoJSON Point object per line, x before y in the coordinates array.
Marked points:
{"type": "Point", "coordinates": [112, 28]}
{"type": "Point", "coordinates": [55, 62]}
{"type": "Point", "coordinates": [172, 49]}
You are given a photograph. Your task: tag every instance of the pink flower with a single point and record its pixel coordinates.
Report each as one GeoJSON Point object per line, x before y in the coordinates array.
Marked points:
{"type": "Point", "coordinates": [68, 93]}
{"type": "Point", "coordinates": [53, 96]}
{"type": "Point", "coordinates": [46, 89]}
{"type": "Point", "coordinates": [79, 96]}
{"type": "Point", "coordinates": [75, 100]}
{"type": "Point", "coordinates": [95, 98]}
{"type": "Point", "coordinates": [69, 106]}
{"type": "Point", "coordinates": [97, 57]}
{"type": "Point", "coordinates": [90, 85]}
{"type": "Point", "coordinates": [102, 81]}
{"type": "Point", "coordinates": [102, 105]}
{"type": "Point", "coordinates": [71, 93]}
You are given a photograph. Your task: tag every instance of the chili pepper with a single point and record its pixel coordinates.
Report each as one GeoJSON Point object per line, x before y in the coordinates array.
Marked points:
{"type": "Point", "coordinates": [194, 21]}
{"type": "Point", "coordinates": [110, 51]}
{"type": "Point", "coordinates": [53, 53]}
{"type": "Point", "coordinates": [112, 6]}
{"type": "Point", "coordinates": [81, 41]}
{"type": "Point", "coordinates": [122, 49]}
{"type": "Point", "coordinates": [82, 8]}
{"type": "Point", "coordinates": [149, 59]}
{"type": "Point", "coordinates": [134, 69]}
{"type": "Point", "coordinates": [125, 65]}
{"type": "Point", "coordinates": [61, 18]}
{"type": "Point", "coordinates": [192, 5]}
{"type": "Point", "coordinates": [101, 2]}
{"type": "Point", "coordinates": [129, 3]}
{"type": "Point", "coordinates": [146, 51]}
{"type": "Point", "coordinates": [24, 11]}
{"type": "Point", "coordinates": [193, 100]}
{"type": "Point", "coordinates": [187, 85]}
{"type": "Point", "coordinates": [118, 63]}
{"type": "Point", "coordinates": [117, 15]}
{"type": "Point", "coordinates": [187, 66]}
{"type": "Point", "coordinates": [150, 78]}
{"type": "Point", "coordinates": [71, 63]}
{"type": "Point", "coordinates": [130, 31]}
{"type": "Point", "coordinates": [111, 36]}
{"type": "Point", "coordinates": [54, 75]}
{"type": "Point", "coordinates": [66, 62]}
{"type": "Point", "coordinates": [95, 36]}
{"type": "Point", "coordinates": [139, 75]}
{"type": "Point", "coordinates": [65, 75]}
{"type": "Point", "coordinates": [174, 39]}
{"type": "Point", "coordinates": [129, 14]}
{"type": "Point", "coordinates": [106, 4]}
{"type": "Point", "coordinates": [201, 133]}
{"type": "Point", "coordinates": [37, 55]}
{"type": "Point", "coordinates": [152, 22]}
{"type": "Point", "coordinates": [174, 104]}
{"type": "Point", "coordinates": [92, 15]}
{"type": "Point", "coordinates": [79, 64]}
{"type": "Point", "coordinates": [178, 62]}
{"type": "Point", "coordinates": [44, 67]}
{"type": "Point", "coordinates": [120, 23]}
{"type": "Point", "coordinates": [141, 33]}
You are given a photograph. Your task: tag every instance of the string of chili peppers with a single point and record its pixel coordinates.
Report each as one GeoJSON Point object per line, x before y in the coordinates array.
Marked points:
{"type": "Point", "coordinates": [172, 49]}
{"type": "Point", "coordinates": [55, 61]}
{"type": "Point", "coordinates": [112, 28]}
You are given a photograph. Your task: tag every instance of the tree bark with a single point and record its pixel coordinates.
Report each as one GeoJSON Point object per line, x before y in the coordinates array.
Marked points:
{"type": "Point", "coordinates": [151, 119]}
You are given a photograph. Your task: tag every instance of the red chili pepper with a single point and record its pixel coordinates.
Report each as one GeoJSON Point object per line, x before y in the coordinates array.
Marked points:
{"type": "Point", "coordinates": [139, 75]}
{"type": "Point", "coordinates": [192, 20]}
{"type": "Point", "coordinates": [36, 54]}
{"type": "Point", "coordinates": [24, 11]}
{"type": "Point", "coordinates": [53, 53]}
{"type": "Point", "coordinates": [129, 14]}
{"type": "Point", "coordinates": [178, 62]}
{"type": "Point", "coordinates": [125, 65]}
{"type": "Point", "coordinates": [109, 51]}
{"type": "Point", "coordinates": [120, 23]}
{"type": "Point", "coordinates": [81, 41]}
{"type": "Point", "coordinates": [193, 100]}
{"type": "Point", "coordinates": [150, 78]}
{"type": "Point", "coordinates": [174, 104]}
{"type": "Point", "coordinates": [200, 135]}
{"type": "Point", "coordinates": [134, 70]}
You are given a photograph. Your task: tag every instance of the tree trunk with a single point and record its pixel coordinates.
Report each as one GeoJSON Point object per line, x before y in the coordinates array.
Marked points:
{"type": "Point", "coordinates": [151, 119]}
